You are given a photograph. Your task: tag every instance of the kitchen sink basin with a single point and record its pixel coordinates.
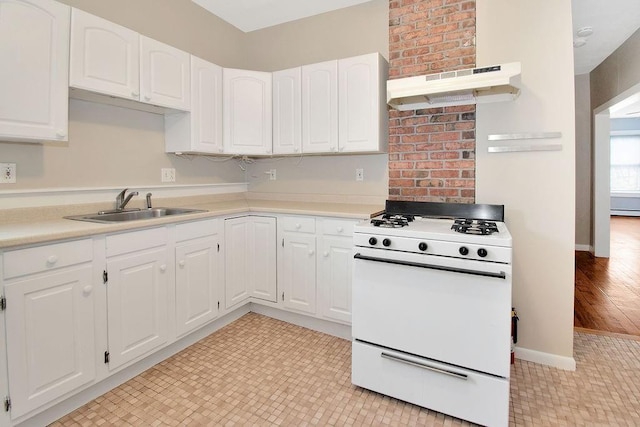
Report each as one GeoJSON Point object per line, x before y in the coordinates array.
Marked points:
{"type": "Point", "coordinates": [132, 215]}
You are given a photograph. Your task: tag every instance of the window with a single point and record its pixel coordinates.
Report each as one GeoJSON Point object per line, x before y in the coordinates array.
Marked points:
{"type": "Point", "coordinates": [625, 163]}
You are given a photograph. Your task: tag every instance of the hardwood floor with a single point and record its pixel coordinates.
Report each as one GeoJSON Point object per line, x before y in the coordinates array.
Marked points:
{"type": "Point", "coordinates": [607, 292]}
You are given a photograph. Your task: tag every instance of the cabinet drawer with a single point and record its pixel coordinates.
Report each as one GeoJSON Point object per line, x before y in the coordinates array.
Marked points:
{"type": "Point", "coordinates": [118, 244]}
{"type": "Point", "coordinates": [299, 224]}
{"type": "Point", "coordinates": [195, 229]}
{"type": "Point", "coordinates": [42, 258]}
{"type": "Point", "coordinates": [465, 394]}
{"type": "Point", "coordinates": [338, 227]}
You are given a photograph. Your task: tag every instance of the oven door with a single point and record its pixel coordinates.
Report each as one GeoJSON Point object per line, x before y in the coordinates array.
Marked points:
{"type": "Point", "coordinates": [450, 310]}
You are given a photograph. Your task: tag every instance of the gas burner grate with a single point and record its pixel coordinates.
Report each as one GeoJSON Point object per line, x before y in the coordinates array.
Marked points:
{"type": "Point", "coordinates": [474, 226]}
{"type": "Point", "coordinates": [391, 221]}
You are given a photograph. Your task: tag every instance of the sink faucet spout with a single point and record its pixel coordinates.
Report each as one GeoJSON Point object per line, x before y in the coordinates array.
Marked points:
{"type": "Point", "coordinates": [121, 201]}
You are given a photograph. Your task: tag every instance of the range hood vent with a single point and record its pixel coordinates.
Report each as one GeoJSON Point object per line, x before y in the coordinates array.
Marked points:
{"type": "Point", "coordinates": [462, 87]}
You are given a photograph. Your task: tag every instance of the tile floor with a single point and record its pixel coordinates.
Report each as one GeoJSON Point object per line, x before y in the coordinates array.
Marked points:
{"type": "Point", "coordinates": [261, 371]}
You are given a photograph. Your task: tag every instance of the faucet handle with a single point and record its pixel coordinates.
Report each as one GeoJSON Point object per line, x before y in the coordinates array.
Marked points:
{"type": "Point", "coordinates": [121, 194]}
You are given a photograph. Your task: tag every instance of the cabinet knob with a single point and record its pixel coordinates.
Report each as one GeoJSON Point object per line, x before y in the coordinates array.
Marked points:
{"type": "Point", "coordinates": [87, 290]}
{"type": "Point", "coordinates": [325, 254]}
{"type": "Point", "coordinates": [220, 150]}
{"type": "Point", "coordinates": [341, 148]}
{"type": "Point", "coordinates": [181, 263]}
{"type": "Point", "coordinates": [163, 268]}
{"type": "Point", "coordinates": [340, 229]}
{"type": "Point", "coordinates": [147, 98]}
{"type": "Point", "coordinates": [135, 94]}
{"type": "Point", "coordinates": [52, 260]}
{"type": "Point", "coordinates": [295, 150]}
{"type": "Point", "coordinates": [311, 252]}
{"type": "Point", "coordinates": [332, 148]}
{"type": "Point", "coordinates": [61, 134]}
{"type": "Point", "coordinates": [298, 226]}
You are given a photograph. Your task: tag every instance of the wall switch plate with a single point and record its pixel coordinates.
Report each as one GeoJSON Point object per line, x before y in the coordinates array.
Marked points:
{"type": "Point", "coordinates": [7, 173]}
{"type": "Point", "coordinates": [359, 174]}
{"type": "Point", "coordinates": [168, 175]}
{"type": "Point", "coordinates": [272, 174]}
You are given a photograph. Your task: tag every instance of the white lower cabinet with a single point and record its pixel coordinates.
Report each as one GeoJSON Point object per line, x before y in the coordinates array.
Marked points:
{"type": "Point", "coordinates": [198, 274]}
{"type": "Point", "coordinates": [137, 297]}
{"type": "Point", "coordinates": [50, 318]}
{"type": "Point", "coordinates": [250, 259]}
{"type": "Point", "coordinates": [334, 278]}
{"type": "Point", "coordinates": [299, 272]}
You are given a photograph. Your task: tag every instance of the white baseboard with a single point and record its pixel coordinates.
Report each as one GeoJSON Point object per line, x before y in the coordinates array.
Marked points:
{"type": "Point", "coordinates": [561, 362]}
{"type": "Point", "coordinates": [586, 248]}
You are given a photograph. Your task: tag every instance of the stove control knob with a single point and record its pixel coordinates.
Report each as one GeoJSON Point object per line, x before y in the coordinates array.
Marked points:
{"type": "Point", "coordinates": [386, 242]}
{"type": "Point", "coordinates": [482, 252]}
{"type": "Point", "coordinates": [422, 246]}
{"type": "Point", "coordinates": [373, 241]}
{"type": "Point", "coordinates": [464, 250]}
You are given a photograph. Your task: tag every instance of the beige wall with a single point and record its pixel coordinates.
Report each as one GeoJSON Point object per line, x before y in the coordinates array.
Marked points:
{"type": "Point", "coordinates": [537, 188]}
{"type": "Point", "coordinates": [115, 147]}
{"type": "Point", "coordinates": [619, 72]}
{"type": "Point", "coordinates": [583, 161]}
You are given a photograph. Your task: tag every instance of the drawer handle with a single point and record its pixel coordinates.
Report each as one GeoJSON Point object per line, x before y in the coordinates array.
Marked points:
{"type": "Point", "coordinates": [423, 366]}
{"type": "Point", "coordinates": [52, 260]}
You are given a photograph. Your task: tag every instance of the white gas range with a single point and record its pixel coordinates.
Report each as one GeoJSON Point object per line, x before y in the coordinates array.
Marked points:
{"type": "Point", "coordinates": [432, 308]}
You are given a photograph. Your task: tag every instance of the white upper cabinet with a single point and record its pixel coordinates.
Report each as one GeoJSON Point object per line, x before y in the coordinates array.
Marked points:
{"type": "Point", "coordinates": [164, 75]}
{"type": "Point", "coordinates": [246, 106]}
{"type": "Point", "coordinates": [287, 111]}
{"type": "Point", "coordinates": [105, 57]}
{"type": "Point", "coordinates": [34, 70]}
{"type": "Point", "coordinates": [201, 130]}
{"type": "Point", "coordinates": [362, 110]}
{"type": "Point", "coordinates": [320, 107]}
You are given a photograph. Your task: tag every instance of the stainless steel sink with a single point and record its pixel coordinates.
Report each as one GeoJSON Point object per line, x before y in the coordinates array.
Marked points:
{"type": "Point", "coordinates": [132, 215]}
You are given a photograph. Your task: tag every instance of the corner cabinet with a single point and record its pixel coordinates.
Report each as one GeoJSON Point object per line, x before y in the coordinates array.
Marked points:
{"type": "Point", "coordinates": [200, 130]}
{"type": "Point", "coordinates": [246, 112]}
{"type": "Point", "coordinates": [320, 107]}
{"type": "Point", "coordinates": [287, 111]}
{"type": "Point", "coordinates": [137, 294]}
{"type": "Point", "coordinates": [50, 318]}
{"type": "Point", "coordinates": [34, 76]}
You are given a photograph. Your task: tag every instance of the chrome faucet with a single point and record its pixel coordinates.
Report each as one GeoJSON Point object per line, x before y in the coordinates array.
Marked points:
{"type": "Point", "coordinates": [148, 200]}
{"type": "Point", "coordinates": [121, 201]}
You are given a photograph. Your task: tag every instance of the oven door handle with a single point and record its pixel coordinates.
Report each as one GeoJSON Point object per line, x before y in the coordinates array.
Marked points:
{"type": "Point", "coordinates": [423, 366]}
{"type": "Point", "coordinates": [500, 275]}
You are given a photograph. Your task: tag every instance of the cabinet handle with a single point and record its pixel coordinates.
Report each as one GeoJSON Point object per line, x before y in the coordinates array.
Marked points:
{"type": "Point", "coordinates": [220, 150]}
{"type": "Point", "coordinates": [61, 134]}
{"type": "Point", "coordinates": [135, 94]}
{"type": "Point", "coordinates": [341, 149]}
{"type": "Point", "coordinates": [298, 226]}
{"type": "Point", "coordinates": [181, 263]}
{"type": "Point", "coordinates": [325, 254]}
{"type": "Point", "coordinates": [340, 229]}
{"type": "Point", "coordinates": [311, 252]}
{"type": "Point", "coordinates": [52, 260]}
{"type": "Point", "coordinates": [147, 98]}
{"type": "Point", "coordinates": [163, 268]}
{"type": "Point", "coordinates": [295, 150]}
{"type": "Point", "coordinates": [87, 290]}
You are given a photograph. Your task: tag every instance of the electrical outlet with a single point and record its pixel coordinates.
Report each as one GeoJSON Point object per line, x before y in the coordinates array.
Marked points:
{"type": "Point", "coordinates": [359, 174]}
{"type": "Point", "coordinates": [168, 175]}
{"type": "Point", "coordinates": [272, 174]}
{"type": "Point", "coordinates": [7, 173]}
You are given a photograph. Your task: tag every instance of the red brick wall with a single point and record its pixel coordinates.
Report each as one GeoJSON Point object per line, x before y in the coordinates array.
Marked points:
{"type": "Point", "coordinates": [432, 151]}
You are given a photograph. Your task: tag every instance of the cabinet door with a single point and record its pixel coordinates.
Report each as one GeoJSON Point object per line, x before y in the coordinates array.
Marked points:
{"type": "Point", "coordinates": [236, 238]}
{"type": "Point", "coordinates": [287, 111]}
{"type": "Point", "coordinates": [165, 78]}
{"type": "Point", "coordinates": [261, 258]}
{"type": "Point", "coordinates": [50, 336]}
{"type": "Point", "coordinates": [197, 283]}
{"type": "Point", "coordinates": [360, 102]}
{"type": "Point", "coordinates": [247, 121]}
{"type": "Point", "coordinates": [199, 131]}
{"type": "Point", "coordinates": [299, 272]}
{"type": "Point", "coordinates": [34, 75]}
{"type": "Point", "coordinates": [105, 57]}
{"type": "Point", "coordinates": [136, 304]}
{"type": "Point", "coordinates": [320, 107]}
{"type": "Point", "coordinates": [334, 279]}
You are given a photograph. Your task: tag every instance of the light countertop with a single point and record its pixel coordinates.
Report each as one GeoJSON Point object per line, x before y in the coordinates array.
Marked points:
{"type": "Point", "coordinates": [41, 225]}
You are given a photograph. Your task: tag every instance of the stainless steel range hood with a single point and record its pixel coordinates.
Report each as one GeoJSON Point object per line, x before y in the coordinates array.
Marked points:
{"type": "Point", "coordinates": [463, 87]}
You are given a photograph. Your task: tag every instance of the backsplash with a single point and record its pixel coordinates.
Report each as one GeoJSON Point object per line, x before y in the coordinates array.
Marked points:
{"type": "Point", "coordinates": [432, 151]}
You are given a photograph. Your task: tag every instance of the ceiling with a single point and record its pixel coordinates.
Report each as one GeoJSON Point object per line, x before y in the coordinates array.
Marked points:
{"type": "Point", "coordinates": [251, 15]}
